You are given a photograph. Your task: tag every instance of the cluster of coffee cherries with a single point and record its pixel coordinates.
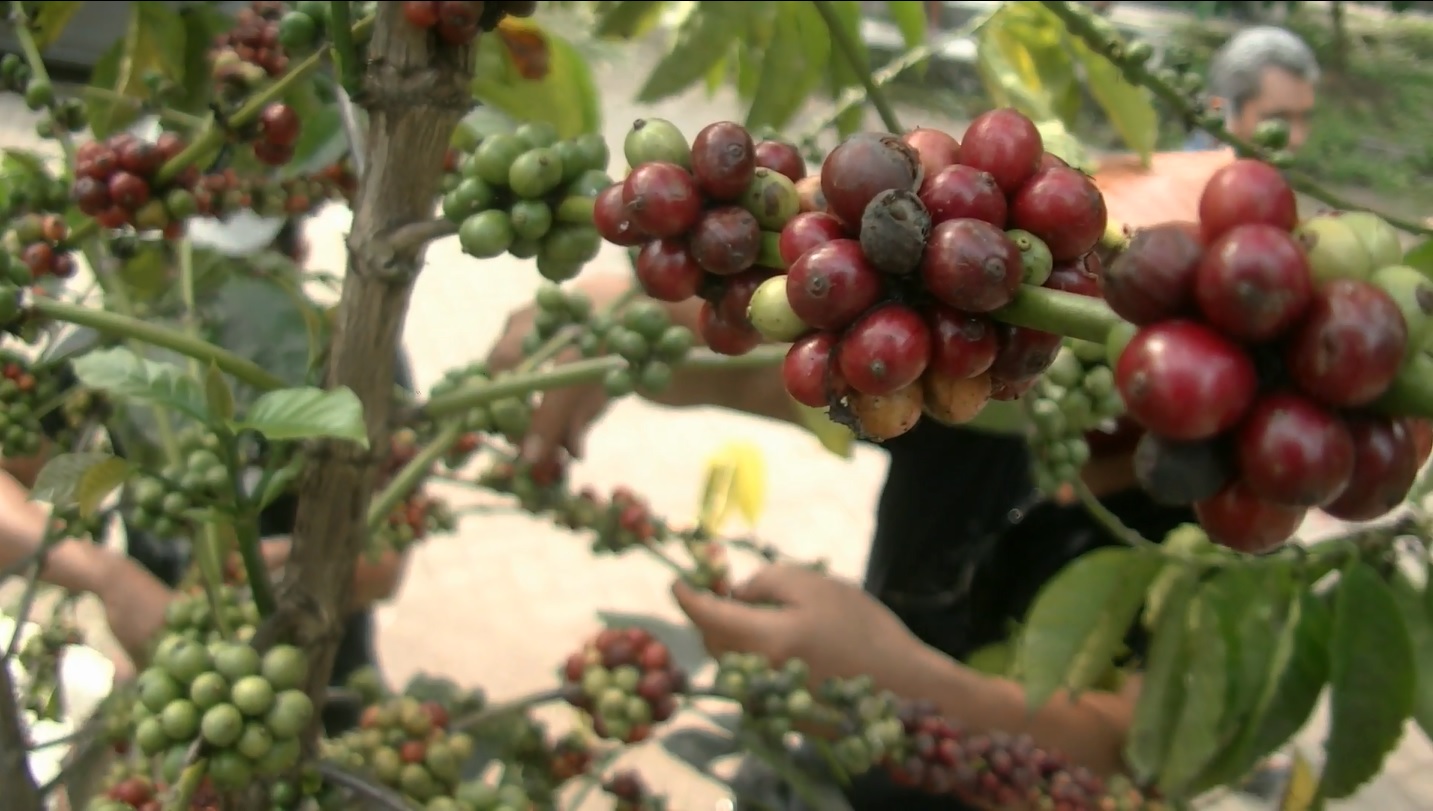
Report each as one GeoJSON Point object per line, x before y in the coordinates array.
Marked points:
{"type": "Point", "coordinates": [221, 193]}
{"type": "Point", "coordinates": [1073, 400]}
{"type": "Point", "coordinates": [704, 217]}
{"type": "Point", "coordinates": [406, 745]}
{"type": "Point", "coordinates": [39, 241]}
{"type": "Point", "coordinates": [557, 309]}
{"type": "Point", "coordinates": [1001, 771]}
{"type": "Point", "coordinates": [630, 792]}
{"type": "Point", "coordinates": [1261, 346]}
{"type": "Point", "coordinates": [40, 656]}
{"type": "Point", "coordinates": [644, 336]}
{"type": "Point", "coordinates": [419, 515]}
{"type": "Point", "coordinates": [302, 29]}
{"type": "Point", "coordinates": [69, 524]}
{"type": "Point", "coordinates": [166, 503]}
{"type": "Point", "coordinates": [626, 681]}
{"type": "Point", "coordinates": [527, 193]}
{"type": "Point", "coordinates": [457, 23]}
{"type": "Point", "coordinates": [247, 708]}
{"type": "Point", "coordinates": [250, 52]}
{"type": "Point", "coordinates": [118, 182]}
{"type": "Point", "coordinates": [509, 417]}
{"type": "Point", "coordinates": [67, 114]}
{"type": "Point", "coordinates": [196, 616]}
{"type": "Point", "coordinates": [25, 391]}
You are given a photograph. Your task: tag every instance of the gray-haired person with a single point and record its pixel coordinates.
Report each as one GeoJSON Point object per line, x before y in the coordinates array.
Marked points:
{"type": "Point", "coordinates": [1264, 73]}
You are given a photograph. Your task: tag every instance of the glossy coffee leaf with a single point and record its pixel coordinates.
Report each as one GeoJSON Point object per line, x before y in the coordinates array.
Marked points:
{"type": "Point", "coordinates": [307, 413]}
{"type": "Point", "coordinates": [1412, 602]}
{"type": "Point", "coordinates": [1205, 687]}
{"type": "Point", "coordinates": [532, 74]}
{"type": "Point", "coordinates": [703, 38]}
{"type": "Point", "coordinates": [123, 374]}
{"type": "Point", "coordinates": [80, 480]}
{"type": "Point", "coordinates": [792, 66]}
{"type": "Point", "coordinates": [154, 42]}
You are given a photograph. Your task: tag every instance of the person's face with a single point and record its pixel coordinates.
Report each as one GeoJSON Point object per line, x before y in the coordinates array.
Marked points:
{"type": "Point", "coordinates": [1283, 96]}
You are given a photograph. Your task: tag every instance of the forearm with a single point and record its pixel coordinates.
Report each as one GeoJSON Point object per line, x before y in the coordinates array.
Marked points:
{"type": "Point", "coordinates": [1091, 730]}
{"type": "Point", "coordinates": [72, 565]}
{"type": "Point", "coordinates": [376, 581]}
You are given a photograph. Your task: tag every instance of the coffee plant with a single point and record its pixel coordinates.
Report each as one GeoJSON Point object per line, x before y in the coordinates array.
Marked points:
{"type": "Point", "coordinates": [1269, 365]}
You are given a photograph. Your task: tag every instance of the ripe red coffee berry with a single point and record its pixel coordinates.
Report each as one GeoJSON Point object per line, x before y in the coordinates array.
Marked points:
{"type": "Point", "coordinates": [937, 150]}
{"type": "Point", "coordinates": [1079, 276]}
{"type": "Point", "coordinates": [1293, 451]}
{"type": "Point", "coordinates": [964, 192]}
{"type": "Point", "coordinates": [886, 350]}
{"type": "Point", "coordinates": [1385, 463]}
{"type": "Point", "coordinates": [963, 345]}
{"type": "Point", "coordinates": [667, 271]}
{"type": "Point", "coordinates": [863, 166]}
{"type": "Point", "coordinates": [279, 124]}
{"type": "Point", "coordinates": [782, 157]}
{"type": "Point", "coordinates": [805, 231]}
{"type": "Point", "coordinates": [610, 218]}
{"type": "Point", "coordinates": [722, 336]}
{"type": "Point", "coordinates": [726, 240]}
{"type": "Point", "coordinates": [1238, 519]}
{"type": "Point", "coordinates": [832, 284]}
{"type": "Point", "coordinates": [1349, 346]}
{"type": "Point", "coordinates": [128, 191]}
{"type": "Point", "coordinates": [1253, 283]}
{"type": "Point", "coordinates": [1153, 278]}
{"type": "Point", "coordinates": [809, 372]}
{"type": "Point", "coordinates": [723, 160]}
{"type": "Point", "coordinates": [1421, 430]}
{"type": "Point", "coordinates": [734, 303]}
{"type": "Point", "coordinates": [421, 13]}
{"type": "Point", "coordinates": [1004, 143]}
{"type": "Point", "coordinates": [662, 199]}
{"type": "Point", "coordinates": [1184, 381]}
{"type": "Point", "coordinates": [971, 265]}
{"type": "Point", "coordinates": [1024, 355]}
{"type": "Point", "coordinates": [1246, 192]}
{"type": "Point", "coordinates": [1063, 207]}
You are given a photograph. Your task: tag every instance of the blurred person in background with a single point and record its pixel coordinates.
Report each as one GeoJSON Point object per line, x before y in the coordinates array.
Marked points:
{"type": "Point", "coordinates": [1264, 73]}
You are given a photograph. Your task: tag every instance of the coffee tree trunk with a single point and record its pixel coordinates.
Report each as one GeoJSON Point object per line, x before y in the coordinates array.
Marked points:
{"type": "Point", "coordinates": [415, 92]}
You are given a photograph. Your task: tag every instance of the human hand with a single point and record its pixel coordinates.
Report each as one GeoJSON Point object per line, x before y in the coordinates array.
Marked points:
{"type": "Point", "coordinates": [563, 416]}
{"type": "Point", "coordinates": [790, 612]}
{"type": "Point", "coordinates": [135, 603]}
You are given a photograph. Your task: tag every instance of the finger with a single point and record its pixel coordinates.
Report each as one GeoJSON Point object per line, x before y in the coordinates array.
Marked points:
{"type": "Point", "coordinates": [779, 584]}
{"type": "Point", "coordinates": [585, 412]}
{"type": "Point", "coordinates": [553, 418]}
{"type": "Point", "coordinates": [507, 352]}
{"type": "Point", "coordinates": [725, 625]}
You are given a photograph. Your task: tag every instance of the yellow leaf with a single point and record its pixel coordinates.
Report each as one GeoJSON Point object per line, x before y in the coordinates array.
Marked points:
{"type": "Point", "coordinates": [836, 438]}
{"type": "Point", "coordinates": [1061, 143]}
{"type": "Point", "coordinates": [735, 484]}
{"type": "Point", "coordinates": [534, 75]}
{"type": "Point", "coordinates": [1302, 790]}
{"type": "Point", "coordinates": [49, 22]}
{"type": "Point", "coordinates": [1129, 108]}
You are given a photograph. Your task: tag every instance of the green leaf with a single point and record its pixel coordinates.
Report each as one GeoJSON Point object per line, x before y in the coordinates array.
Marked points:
{"type": "Point", "coordinates": [202, 23]}
{"type": "Point", "coordinates": [1196, 737]}
{"type": "Point", "coordinates": [910, 17]}
{"type": "Point", "coordinates": [80, 480]}
{"type": "Point", "coordinates": [842, 74]}
{"type": "Point", "coordinates": [703, 38]}
{"type": "Point", "coordinates": [1303, 679]}
{"type": "Point", "coordinates": [1372, 682]}
{"type": "Point", "coordinates": [628, 19]}
{"type": "Point", "coordinates": [1412, 602]}
{"type": "Point", "coordinates": [1161, 698]}
{"type": "Point", "coordinates": [48, 21]}
{"type": "Point", "coordinates": [1080, 618]}
{"type": "Point", "coordinates": [307, 413]}
{"type": "Point", "coordinates": [217, 394]}
{"type": "Point", "coordinates": [1420, 257]}
{"type": "Point", "coordinates": [154, 42]}
{"type": "Point", "coordinates": [791, 67]}
{"type": "Point", "coordinates": [1026, 42]}
{"type": "Point", "coordinates": [266, 321]}
{"type": "Point", "coordinates": [564, 95]}
{"type": "Point", "coordinates": [122, 373]}
{"type": "Point", "coordinates": [1129, 108]}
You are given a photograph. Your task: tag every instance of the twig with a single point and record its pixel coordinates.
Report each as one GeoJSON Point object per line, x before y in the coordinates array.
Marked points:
{"type": "Point", "coordinates": [1078, 23]}
{"type": "Point", "coordinates": [1108, 519]}
{"type": "Point", "coordinates": [345, 53]}
{"type": "Point", "coordinates": [846, 46]}
{"type": "Point", "coordinates": [495, 711]}
{"type": "Point", "coordinates": [15, 774]}
{"type": "Point", "coordinates": [358, 784]}
{"type": "Point", "coordinates": [410, 237]}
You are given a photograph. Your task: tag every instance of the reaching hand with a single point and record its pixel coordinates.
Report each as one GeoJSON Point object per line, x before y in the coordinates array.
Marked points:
{"type": "Point", "coordinates": [135, 603]}
{"type": "Point", "coordinates": [787, 612]}
{"type": "Point", "coordinates": [564, 415]}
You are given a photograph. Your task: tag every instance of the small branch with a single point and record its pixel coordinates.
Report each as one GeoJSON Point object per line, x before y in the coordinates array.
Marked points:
{"type": "Point", "coordinates": [408, 238]}
{"type": "Point", "coordinates": [846, 47]}
{"type": "Point", "coordinates": [412, 475]}
{"type": "Point", "coordinates": [15, 774]}
{"type": "Point", "coordinates": [1111, 522]}
{"type": "Point", "coordinates": [1078, 22]}
{"type": "Point", "coordinates": [183, 794]}
{"type": "Point", "coordinates": [382, 795]}
{"type": "Point", "coordinates": [345, 54]}
{"type": "Point", "coordinates": [348, 116]}
{"type": "Point", "coordinates": [474, 720]}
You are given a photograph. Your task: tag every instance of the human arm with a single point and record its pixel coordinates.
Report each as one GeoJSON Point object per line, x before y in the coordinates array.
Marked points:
{"type": "Point", "coordinates": [838, 630]}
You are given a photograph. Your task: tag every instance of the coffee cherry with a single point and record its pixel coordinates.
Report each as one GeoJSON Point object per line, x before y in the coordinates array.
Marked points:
{"type": "Point", "coordinates": [1004, 143]}
{"type": "Point", "coordinates": [809, 371]}
{"type": "Point", "coordinates": [613, 222]}
{"type": "Point", "coordinates": [885, 350]}
{"type": "Point", "coordinates": [863, 166]}
{"type": "Point", "coordinates": [1292, 451]}
{"type": "Point", "coordinates": [723, 336]}
{"type": "Point", "coordinates": [1385, 463]}
{"type": "Point", "coordinates": [1253, 283]}
{"type": "Point", "coordinates": [805, 231]}
{"type": "Point", "coordinates": [1035, 257]}
{"type": "Point", "coordinates": [972, 266]}
{"type": "Point", "coordinates": [832, 284]}
{"type": "Point", "coordinates": [1379, 238]}
{"type": "Point", "coordinates": [963, 192]}
{"type": "Point", "coordinates": [655, 140]}
{"type": "Point", "coordinates": [1024, 355]}
{"type": "Point", "coordinates": [771, 314]}
{"type": "Point", "coordinates": [662, 199]}
{"type": "Point", "coordinates": [1063, 208]}
{"type": "Point", "coordinates": [1184, 381]}
{"type": "Point", "coordinates": [963, 345]}
{"type": "Point", "coordinates": [421, 13]}
{"type": "Point", "coordinates": [279, 125]}
{"type": "Point", "coordinates": [1350, 345]}
{"type": "Point", "coordinates": [1240, 520]}
{"type": "Point", "coordinates": [954, 400]}
{"type": "Point", "coordinates": [1246, 192]}
{"type": "Point", "coordinates": [771, 198]}
{"type": "Point", "coordinates": [1080, 276]}
{"type": "Point", "coordinates": [937, 151]}
{"type": "Point", "coordinates": [1333, 249]}
{"type": "Point", "coordinates": [1178, 473]}
{"type": "Point", "coordinates": [725, 240]}
{"type": "Point", "coordinates": [894, 231]}
{"type": "Point", "coordinates": [734, 302]}
{"type": "Point", "coordinates": [723, 160]}
{"type": "Point", "coordinates": [1413, 293]}
{"type": "Point", "coordinates": [880, 417]}
{"type": "Point", "coordinates": [667, 271]}
{"type": "Point", "coordinates": [1153, 277]}
{"type": "Point", "coordinates": [782, 157]}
